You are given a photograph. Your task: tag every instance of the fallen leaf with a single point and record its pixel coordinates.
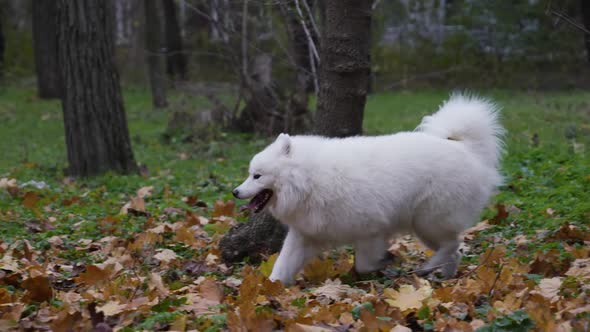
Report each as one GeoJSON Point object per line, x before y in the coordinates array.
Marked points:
{"type": "Point", "coordinates": [549, 288]}
{"type": "Point", "coordinates": [210, 290]}
{"type": "Point", "coordinates": [399, 328]}
{"type": "Point", "coordinates": [500, 216]}
{"type": "Point", "coordinates": [112, 308]}
{"type": "Point", "coordinates": [470, 233]}
{"type": "Point", "coordinates": [144, 192]}
{"type": "Point", "coordinates": [156, 282]}
{"type": "Point", "coordinates": [266, 266]}
{"type": "Point", "coordinates": [407, 297]}
{"type": "Point", "coordinates": [297, 327]}
{"type": "Point", "coordinates": [222, 208]}
{"type": "Point", "coordinates": [30, 199]}
{"type": "Point", "coordinates": [8, 183]}
{"type": "Point", "coordinates": [166, 256]}
{"type": "Point", "coordinates": [334, 290]}
{"type": "Point", "coordinates": [580, 268]}
{"type": "Point", "coordinates": [38, 288]}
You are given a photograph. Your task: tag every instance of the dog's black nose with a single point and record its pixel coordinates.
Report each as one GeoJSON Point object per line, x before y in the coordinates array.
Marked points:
{"type": "Point", "coordinates": [236, 192]}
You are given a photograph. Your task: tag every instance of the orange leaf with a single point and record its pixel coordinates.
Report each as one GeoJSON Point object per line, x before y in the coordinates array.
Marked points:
{"type": "Point", "coordinates": [38, 288]}
{"type": "Point", "coordinates": [30, 199]}
{"type": "Point", "coordinates": [93, 275]}
{"type": "Point", "coordinates": [224, 208]}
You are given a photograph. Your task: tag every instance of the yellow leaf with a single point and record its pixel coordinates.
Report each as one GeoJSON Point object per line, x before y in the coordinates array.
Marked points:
{"type": "Point", "coordinates": [266, 266]}
{"type": "Point", "coordinates": [179, 324]}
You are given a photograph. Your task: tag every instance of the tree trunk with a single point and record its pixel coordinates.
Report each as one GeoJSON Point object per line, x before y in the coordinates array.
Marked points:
{"type": "Point", "coordinates": [585, 4]}
{"type": "Point", "coordinates": [175, 57]}
{"type": "Point", "coordinates": [1, 46]}
{"type": "Point", "coordinates": [344, 68]}
{"type": "Point", "coordinates": [153, 41]}
{"type": "Point", "coordinates": [49, 83]}
{"type": "Point", "coordinates": [96, 131]}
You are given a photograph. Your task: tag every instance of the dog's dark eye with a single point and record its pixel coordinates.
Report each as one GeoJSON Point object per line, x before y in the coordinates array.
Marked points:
{"type": "Point", "coordinates": [257, 176]}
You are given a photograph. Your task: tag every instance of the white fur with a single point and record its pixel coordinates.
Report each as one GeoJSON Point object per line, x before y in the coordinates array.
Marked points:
{"type": "Point", "coordinates": [433, 182]}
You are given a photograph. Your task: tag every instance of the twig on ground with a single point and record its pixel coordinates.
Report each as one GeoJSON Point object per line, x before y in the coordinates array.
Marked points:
{"type": "Point", "coordinates": [491, 292]}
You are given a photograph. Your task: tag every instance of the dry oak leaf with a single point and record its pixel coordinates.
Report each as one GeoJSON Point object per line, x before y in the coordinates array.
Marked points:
{"type": "Point", "coordinates": [222, 208]}
{"type": "Point", "coordinates": [38, 287]}
{"type": "Point", "coordinates": [166, 256]}
{"type": "Point", "coordinates": [549, 288]}
{"type": "Point", "coordinates": [297, 327]}
{"type": "Point", "coordinates": [199, 305]}
{"type": "Point", "coordinates": [8, 183]}
{"type": "Point", "coordinates": [30, 199]}
{"type": "Point", "coordinates": [469, 234]}
{"type": "Point", "coordinates": [580, 268]}
{"type": "Point", "coordinates": [93, 275]}
{"type": "Point", "coordinates": [5, 296]}
{"type": "Point", "coordinates": [156, 282]}
{"type": "Point", "coordinates": [400, 328]}
{"type": "Point", "coordinates": [8, 263]}
{"type": "Point", "coordinates": [112, 308]}
{"type": "Point", "coordinates": [145, 191]}
{"type": "Point", "coordinates": [407, 297]}
{"type": "Point", "coordinates": [335, 290]}
{"type": "Point", "coordinates": [210, 290]}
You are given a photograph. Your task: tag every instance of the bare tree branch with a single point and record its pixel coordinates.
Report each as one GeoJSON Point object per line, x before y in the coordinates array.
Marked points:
{"type": "Point", "coordinates": [568, 19]}
{"type": "Point", "coordinates": [307, 33]}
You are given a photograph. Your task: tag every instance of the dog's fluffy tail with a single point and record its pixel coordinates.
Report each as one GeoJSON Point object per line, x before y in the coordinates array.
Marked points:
{"type": "Point", "coordinates": [472, 120]}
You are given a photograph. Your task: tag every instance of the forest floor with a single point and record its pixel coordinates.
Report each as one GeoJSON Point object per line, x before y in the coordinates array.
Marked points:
{"type": "Point", "coordinates": [139, 252]}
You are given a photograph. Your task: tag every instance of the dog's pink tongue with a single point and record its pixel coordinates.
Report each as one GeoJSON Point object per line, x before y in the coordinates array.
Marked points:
{"type": "Point", "coordinates": [249, 206]}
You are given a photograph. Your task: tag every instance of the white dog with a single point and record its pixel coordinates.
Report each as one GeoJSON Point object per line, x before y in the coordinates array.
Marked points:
{"type": "Point", "coordinates": [433, 182]}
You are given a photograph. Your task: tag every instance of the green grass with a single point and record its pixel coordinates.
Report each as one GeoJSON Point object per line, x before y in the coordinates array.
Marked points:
{"type": "Point", "coordinates": [549, 174]}
{"type": "Point", "coordinates": [547, 185]}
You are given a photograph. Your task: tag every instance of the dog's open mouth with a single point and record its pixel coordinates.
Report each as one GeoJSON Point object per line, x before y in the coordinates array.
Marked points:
{"type": "Point", "coordinates": [258, 202]}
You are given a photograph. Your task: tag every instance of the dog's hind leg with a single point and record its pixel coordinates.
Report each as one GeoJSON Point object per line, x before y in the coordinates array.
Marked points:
{"type": "Point", "coordinates": [447, 259]}
{"type": "Point", "coordinates": [371, 254]}
{"type": "Point", "coordinates": [444, 242]}
{"type": "Point", "coordinates": [295, 253]}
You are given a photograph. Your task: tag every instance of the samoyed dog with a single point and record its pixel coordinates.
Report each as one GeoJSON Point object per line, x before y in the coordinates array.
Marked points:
{"type": "Point", "coordinates": [433, 182]}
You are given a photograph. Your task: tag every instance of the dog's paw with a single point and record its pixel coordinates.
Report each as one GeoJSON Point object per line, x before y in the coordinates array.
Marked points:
{"type": "Point", "coordinates": [285, 281]}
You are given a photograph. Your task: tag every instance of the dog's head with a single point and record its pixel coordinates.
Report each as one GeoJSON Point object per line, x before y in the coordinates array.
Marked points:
{"type": "Point", "coordinates": [263, 182]}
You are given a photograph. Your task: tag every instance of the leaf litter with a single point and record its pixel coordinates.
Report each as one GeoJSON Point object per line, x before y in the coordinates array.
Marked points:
{"type": "Point", "coordinates": [166, 274]}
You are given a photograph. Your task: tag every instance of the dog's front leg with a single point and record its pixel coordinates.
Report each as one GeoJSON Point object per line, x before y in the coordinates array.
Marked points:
{"type": "Point", "coordinates": [295, 252]}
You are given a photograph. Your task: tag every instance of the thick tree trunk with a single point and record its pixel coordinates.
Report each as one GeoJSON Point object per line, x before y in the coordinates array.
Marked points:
{"type": "Point", "coordinates": [585, 4]}
{"type": "Point", "coordinates": [153, 41]}
{"type": "Point", "coordinates": [49, 83]}
{"type": "Point", "coordinates": [344, 68]}
{"type": "Point", "coordinates": [175, 57]}
{"type": "Point", "coordinates": [96, 131]}
{"type": "Point", "coordinates": [1, 45]}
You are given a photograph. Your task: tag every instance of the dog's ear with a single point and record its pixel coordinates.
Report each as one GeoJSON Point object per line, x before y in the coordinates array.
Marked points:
{"type": "Point", "coordinates": [284, 142]}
